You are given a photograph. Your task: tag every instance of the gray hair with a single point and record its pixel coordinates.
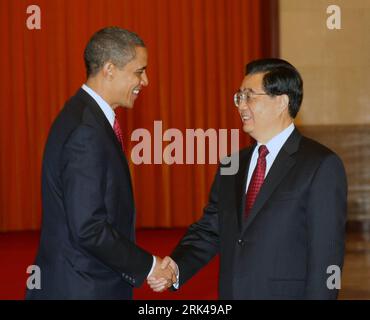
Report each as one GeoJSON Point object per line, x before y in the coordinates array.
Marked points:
{"type": "Point", "coordinates": [111, 44]}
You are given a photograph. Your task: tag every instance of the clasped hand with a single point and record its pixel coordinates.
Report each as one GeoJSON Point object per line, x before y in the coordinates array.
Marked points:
{"type": "Point", "coordinates": [164, 274]}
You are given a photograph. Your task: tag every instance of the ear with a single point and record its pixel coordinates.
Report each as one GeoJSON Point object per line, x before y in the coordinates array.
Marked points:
{"type": "Point", "coordinates": [283, 103]}
{"type": "Point", "coordinates": [108, 70]}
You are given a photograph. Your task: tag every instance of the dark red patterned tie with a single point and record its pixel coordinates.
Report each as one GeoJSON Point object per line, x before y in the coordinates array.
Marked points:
{"type": "Point", "coordinates": [118, 132]}
{"type": "Point", "coordinates": [256, 180]}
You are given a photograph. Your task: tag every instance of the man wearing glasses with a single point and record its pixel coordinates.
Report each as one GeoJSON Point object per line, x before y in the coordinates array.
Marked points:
{"type": "Point", "coordinates": [279, 223]}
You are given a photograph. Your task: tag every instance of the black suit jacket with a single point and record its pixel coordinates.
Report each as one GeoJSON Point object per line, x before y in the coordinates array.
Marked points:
{"type": "Point", "coordinates": [87, 248]}
{"type": "Point", "coordinates": [294, 232]}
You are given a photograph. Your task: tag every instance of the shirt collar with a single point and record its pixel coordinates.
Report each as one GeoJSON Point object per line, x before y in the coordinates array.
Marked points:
{"type": "Point", "coordinates": [276, 143]}
{"type": "Point", "coordinates": [104, 106]}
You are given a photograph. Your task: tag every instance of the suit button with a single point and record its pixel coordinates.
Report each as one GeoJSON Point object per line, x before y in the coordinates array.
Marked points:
{"type": "Point", "coordinates": [241, 242]}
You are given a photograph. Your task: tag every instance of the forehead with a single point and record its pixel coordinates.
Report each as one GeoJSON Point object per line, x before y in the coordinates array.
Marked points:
{"type": "Point", "coordinates": [252, 81]}
{"type": "Point", "coordinates": [140, 60]}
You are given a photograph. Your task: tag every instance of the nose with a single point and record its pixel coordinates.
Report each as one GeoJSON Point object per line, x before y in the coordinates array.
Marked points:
{"type": "Point", "coordinates": [144, 79]}
{"type": "Point", "coordinates": [243, 105]}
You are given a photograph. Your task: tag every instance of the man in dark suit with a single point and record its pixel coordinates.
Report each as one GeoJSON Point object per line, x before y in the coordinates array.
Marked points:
{"type": "Point", "coordinates": [87, 248]}
{"type": "Point", "coordinates": [279, 223]}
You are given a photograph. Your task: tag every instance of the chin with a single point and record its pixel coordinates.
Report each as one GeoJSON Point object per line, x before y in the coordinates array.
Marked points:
{"type": "Point", "coordinates": [128, 105]}
{"type": "Point", "coordinates": [247, 128]}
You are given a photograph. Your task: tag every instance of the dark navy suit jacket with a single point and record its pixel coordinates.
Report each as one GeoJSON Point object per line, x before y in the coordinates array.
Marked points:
{"type": "Point", "coordinates": [87, 248]}
{"type": "Point", "coordinates": [294, 232]}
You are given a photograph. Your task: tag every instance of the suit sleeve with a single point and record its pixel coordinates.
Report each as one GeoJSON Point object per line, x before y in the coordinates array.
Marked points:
{"type": "Point", "coordinates": [201, 241]}
{"type": "Point", "coordinates": [326, 218]}
{"type": "Point", "coordinates": [84, 187]}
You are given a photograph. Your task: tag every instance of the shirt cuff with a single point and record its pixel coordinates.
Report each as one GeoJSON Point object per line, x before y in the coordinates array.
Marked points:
{"type": "Point", "coordinates": [153, 266]}
{"type": "Point", "coordinates": [177, 283]}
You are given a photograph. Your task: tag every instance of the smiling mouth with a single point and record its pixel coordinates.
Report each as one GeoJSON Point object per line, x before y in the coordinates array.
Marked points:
{"type": "Point", "coordinates": [136, 91]}
{"type": "Point", "coordinates": [245, 117]}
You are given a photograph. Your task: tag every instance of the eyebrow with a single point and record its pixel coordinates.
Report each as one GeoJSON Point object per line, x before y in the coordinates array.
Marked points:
{"type": "Point", "coordinates": [141, 69]}
{"type": "Point", "coordinates": [247, 90]}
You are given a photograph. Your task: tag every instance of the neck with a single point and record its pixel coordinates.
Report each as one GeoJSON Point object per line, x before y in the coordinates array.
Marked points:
{"type": "Point", "coordinates": [98, 86]}
{"type": "Point", "coordinates": [271, 134]}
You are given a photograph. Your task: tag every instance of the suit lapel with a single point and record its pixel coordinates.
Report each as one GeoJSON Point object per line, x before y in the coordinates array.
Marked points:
{"type": "Point", "coordinates": [241, 181]}
{"type": "Point", "coordinates": [281, 166]}
{"type": "Point", "coordinates": [106, 126]}
{"type": "Point", "coordinates": [100, 116]}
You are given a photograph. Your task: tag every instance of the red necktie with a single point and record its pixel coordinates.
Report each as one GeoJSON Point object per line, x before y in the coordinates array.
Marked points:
{"type": "Point", "coordinates": [118, 132]}
{"type": "Point", "coordinates": [257, 179]}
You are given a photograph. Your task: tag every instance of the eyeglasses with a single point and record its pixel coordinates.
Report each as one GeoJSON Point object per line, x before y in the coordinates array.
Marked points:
{"type": "Point", "coordinates": [246, 96]}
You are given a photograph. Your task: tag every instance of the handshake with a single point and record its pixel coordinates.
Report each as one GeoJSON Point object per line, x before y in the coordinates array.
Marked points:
{"type": "Point", "coordinates": [164, 275]}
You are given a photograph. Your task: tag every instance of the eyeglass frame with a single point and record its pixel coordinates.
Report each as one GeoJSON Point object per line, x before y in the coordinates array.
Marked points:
{"type": "Point", "coordinates": [248, 94]}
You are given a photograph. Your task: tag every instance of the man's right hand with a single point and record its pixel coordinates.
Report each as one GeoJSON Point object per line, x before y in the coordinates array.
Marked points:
{"type": "Point", "coordinates": [164, 274]}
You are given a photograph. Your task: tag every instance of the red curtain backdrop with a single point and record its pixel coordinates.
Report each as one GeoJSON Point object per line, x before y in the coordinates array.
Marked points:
{"type": "Point", "coordinates": [197, 53]}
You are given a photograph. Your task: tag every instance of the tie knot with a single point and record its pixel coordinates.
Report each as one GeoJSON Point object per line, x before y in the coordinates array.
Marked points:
{"type": "Point", "coordinates": [263, 151]}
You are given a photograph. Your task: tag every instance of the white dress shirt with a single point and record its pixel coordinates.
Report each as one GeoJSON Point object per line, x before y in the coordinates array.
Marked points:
{"type": "Point", "coordinates": [111, 116]}
{"type": "Point", "coordinates": [104, 106]}
{"type": "Point", "coordinates": [273, 146]}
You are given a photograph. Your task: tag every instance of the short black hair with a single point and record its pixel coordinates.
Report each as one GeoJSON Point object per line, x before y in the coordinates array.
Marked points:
{"type": "Point", "coordinates": [112, 44]}
{"type": "Point", "coordinates": [280, 77]}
